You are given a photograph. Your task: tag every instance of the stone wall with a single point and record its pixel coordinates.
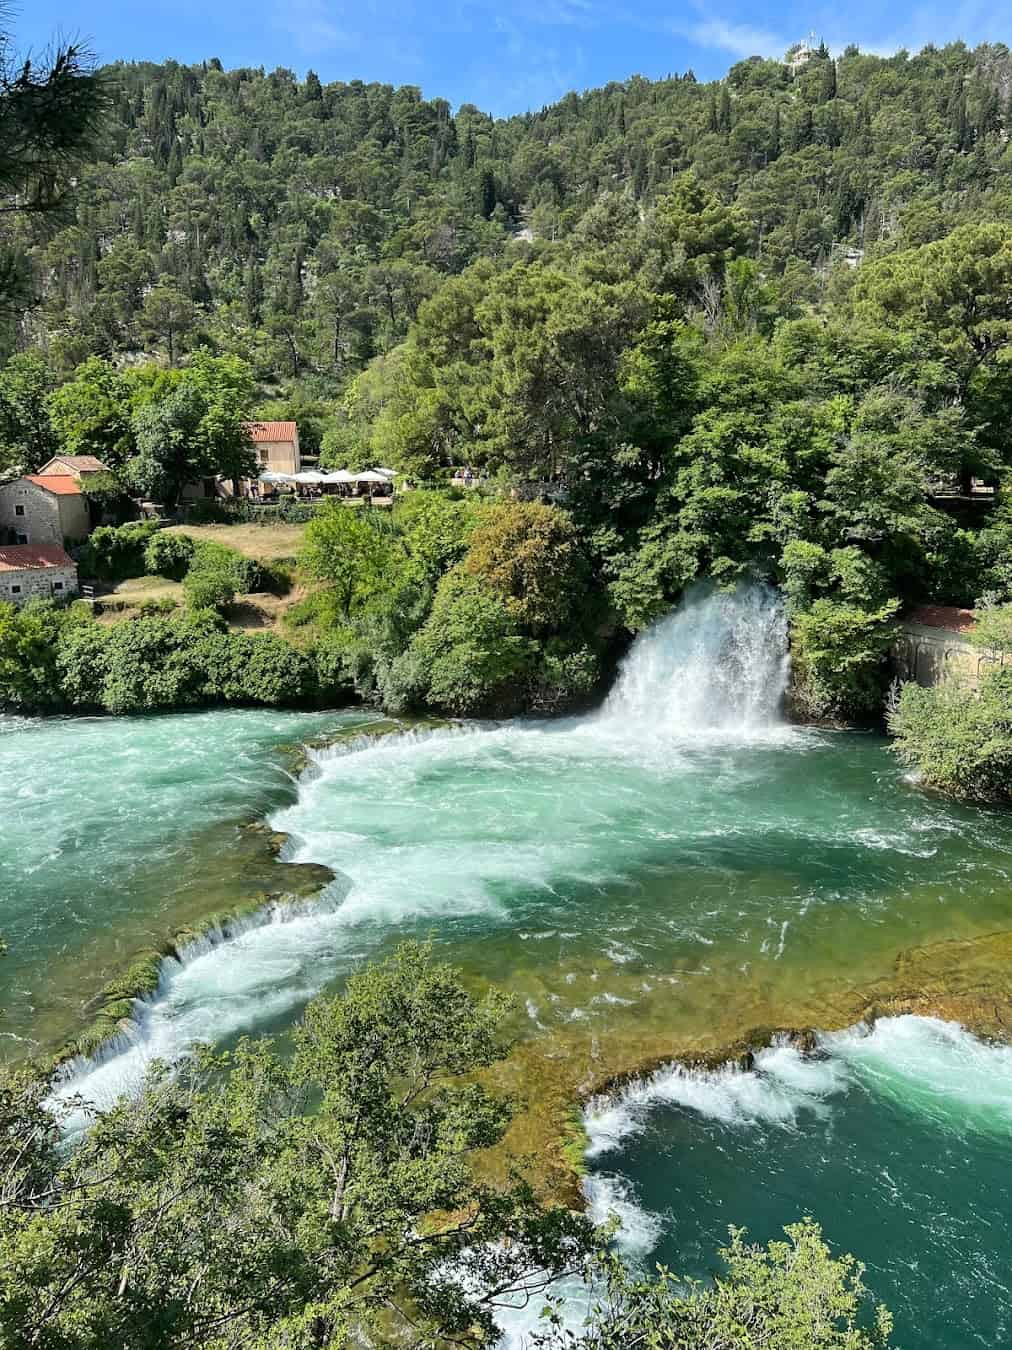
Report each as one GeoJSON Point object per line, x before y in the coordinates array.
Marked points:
{"type": "Point", "coordinates": [37, 521]}
{"type": "Point", "coordinates": [929, 656]}
{"type": "Point", "coordinates": [75, 518]}
{"type": "Point", "coordinates": [38, 583]}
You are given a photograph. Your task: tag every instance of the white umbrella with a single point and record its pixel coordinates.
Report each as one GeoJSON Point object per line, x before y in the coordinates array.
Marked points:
{"type": "Point", "coordinates": [271, 477]}
{"type": "Point", "coordinates": [339, 476]}
{"type": "Point", "coordinates": [309, 476]}
{"type": "Point", "coordinates": [370, 476]}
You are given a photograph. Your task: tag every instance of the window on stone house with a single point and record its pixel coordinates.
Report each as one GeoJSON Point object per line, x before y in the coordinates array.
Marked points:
{"type": "Point", "coordinates": [15, 590]}
{"type": "Point", "coordinates": [57, 585]}
{"type": "Point", "coordinates": [21, 539]}
{"type": "Point", "coordinates": [19, 510]}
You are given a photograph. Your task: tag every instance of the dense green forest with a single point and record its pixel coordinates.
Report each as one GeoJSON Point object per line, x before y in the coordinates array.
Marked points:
{"type": "Point", "coordinates": [752, 328]}
{"type": "Point", "coordinates": [306, 224]}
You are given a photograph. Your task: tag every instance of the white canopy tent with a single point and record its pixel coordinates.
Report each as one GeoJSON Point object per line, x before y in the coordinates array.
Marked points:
{"type": "Point", "coordinates": [371, 476]}
{"type": "Point", "coordinates": [339, 476]}
{"type": "Point", "coordinates": [387, 473]}
{"type": "Point", "coordinates": [309, 476]}
{"type": "Point", "coordinates": [271, 477]}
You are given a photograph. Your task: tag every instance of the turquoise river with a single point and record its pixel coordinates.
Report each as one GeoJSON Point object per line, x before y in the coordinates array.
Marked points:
{"type": "Point", "coordinates": [678, 873]}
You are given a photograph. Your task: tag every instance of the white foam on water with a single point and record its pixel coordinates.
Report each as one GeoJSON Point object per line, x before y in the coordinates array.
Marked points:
{"type": "Point", "coordinates": [781, 1086]}
{"type": "Point", "coordinates": [609, 1198]}
{"type": "Point", "coordinates": [717, 664]}
{"type": "Point", "coordinates": [458, 822]}
{"type": "Point", "coordinates": [934, 1067]}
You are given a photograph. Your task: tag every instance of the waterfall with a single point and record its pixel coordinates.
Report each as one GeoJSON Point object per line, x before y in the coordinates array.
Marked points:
{"type": "Point", "coordinates": [718, 663]}
{"type": "Point", "coordinates": [451, 822]}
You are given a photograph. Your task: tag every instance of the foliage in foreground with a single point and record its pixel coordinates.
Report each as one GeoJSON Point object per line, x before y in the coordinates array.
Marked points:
{"type": "Point", "coordinates": [308, 1201]}
{"type": "Point", "coordinates": [791, 1295]}
{"type": "Point", "coordinates": [330, 1198]}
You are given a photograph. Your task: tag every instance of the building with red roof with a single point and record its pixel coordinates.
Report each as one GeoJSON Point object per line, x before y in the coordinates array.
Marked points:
{"type": "Point", "coordinates": [276, 445]}
{"type": "Point", "coordinates": [36, 572]}
{"type": "Point", "coordinates": [44, 509]}
{"type": "Point", "coordinates": [277, 450]}
{"type": "Point", "coordinates": [73, 466]}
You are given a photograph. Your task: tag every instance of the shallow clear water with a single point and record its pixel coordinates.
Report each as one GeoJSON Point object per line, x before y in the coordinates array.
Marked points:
{"type": "Point", "coordinates": [109, 831]}
{"type": "Point", "coordinates": [677, 869]}
{"type": "Point", "coordinates": [898, 1141]}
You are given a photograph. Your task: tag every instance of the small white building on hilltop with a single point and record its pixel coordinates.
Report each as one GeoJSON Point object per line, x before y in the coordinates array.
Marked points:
{"type": "Point", "coordinates": [36, 572]}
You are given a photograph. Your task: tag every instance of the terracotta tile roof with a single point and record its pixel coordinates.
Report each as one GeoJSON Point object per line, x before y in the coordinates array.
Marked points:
{"type": "Point", "coordinates": [27, 557]}
{"type": "Point", "coordinates": [943, 616]}
{"type": "Point", "coordinates": [79, 463]}
{"type": "Point", "coordinates": [271, 431]}
{"type": "Point", "coordinates": [60, 483]}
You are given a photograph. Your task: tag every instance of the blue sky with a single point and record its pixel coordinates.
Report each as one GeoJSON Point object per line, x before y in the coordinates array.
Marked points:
{"type": "Point", "coordinates": [507, 56]}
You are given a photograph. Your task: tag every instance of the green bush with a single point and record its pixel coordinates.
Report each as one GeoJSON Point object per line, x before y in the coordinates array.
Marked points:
{"type": "Point", "coordinates": [470, 656]}
{"type": "Point", "coordinates": [271, 671]}
{"type": "Point", "coordinates": [958, 739]}
{"type": "Point", "coordinates": [245, 574]}
{"type": "Point", "coordinates": [30, 640]}
{"type": "Point", "coordinates": [566, 676]}
{"type": "Point", "coordinates": [168, 555]}
{"type": "Point", "coordinates": [208, 511]}
{"type": "Point", "coordinates": [163, 605]}
{"type": "Point", "coordinates": [838, 655]}
{"type": "Point", "coordinates": [208, 589]}
{"type": "Point", "coordinates": [115, 552]}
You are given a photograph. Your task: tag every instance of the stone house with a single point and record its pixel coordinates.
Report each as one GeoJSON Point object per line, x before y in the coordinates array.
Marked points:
{"type": "Point", "coordinates": [276, 445]}
{"type": "Point", "coordinates": [44, 509]}
{"type": "Point", "coordinates": [36, 572]}
{"type": "Point", "coordinates": [74, 466]}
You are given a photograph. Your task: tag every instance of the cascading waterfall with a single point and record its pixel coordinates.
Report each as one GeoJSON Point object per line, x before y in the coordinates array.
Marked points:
{"type": "Point", "coordinates": [894, 1136]}
{"type": "Point", "coordinates": [716, 664]}
{"type": "Point", "coordinates": [679, 859]}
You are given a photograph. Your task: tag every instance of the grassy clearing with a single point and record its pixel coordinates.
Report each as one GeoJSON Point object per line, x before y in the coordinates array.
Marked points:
{"type": "Point", "coordinates": [255, 541]}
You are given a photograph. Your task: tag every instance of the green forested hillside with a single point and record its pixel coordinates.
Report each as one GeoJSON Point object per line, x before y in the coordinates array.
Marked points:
{"type": "Point", "coordinates": [754, 328]}
{"type": "Point", "coordinates": [305, 223]}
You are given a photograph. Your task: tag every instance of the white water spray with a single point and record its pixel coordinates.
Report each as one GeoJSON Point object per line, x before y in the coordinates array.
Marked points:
{"type": "Point", "coordinates": [718, 663]}
{"type": "Point", "coordinates": [466, 822]}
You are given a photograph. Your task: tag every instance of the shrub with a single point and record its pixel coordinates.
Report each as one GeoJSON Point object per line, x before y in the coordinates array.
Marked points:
{"type": "Point", "coordinates": [271, 671]}
{"type": "Point", "coordinates": [29, 641]}
{"type": "Point", "coordinates": [245, 574]}
{"type": "Point", "coordinates": [209, 589]}
{"type": "Point", "coordinates": [208, 511]}
{"type": "Point", "coordinates": [958, 739]}
{"type": "Point", "coordinates": [149, 663]}
{"type": "Point", "coordinates": [529, 555]}
{"type": "Point", "coordinates": [116, 552]}
{"type": "Point", "coordinates": [566, 676]}
{"type": "Point", "coordinates": [839, 658]}
{"type": "Point", "coordinates": [470, 652]}
{"type": "Point", "coordinates": [356, 552]}
{"type": "Point", "coordinates": [81, 663]}
{"type": "Point", "coordinates": [168, 555]}
{"type": "Point", "coordinates": [163, 605]}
